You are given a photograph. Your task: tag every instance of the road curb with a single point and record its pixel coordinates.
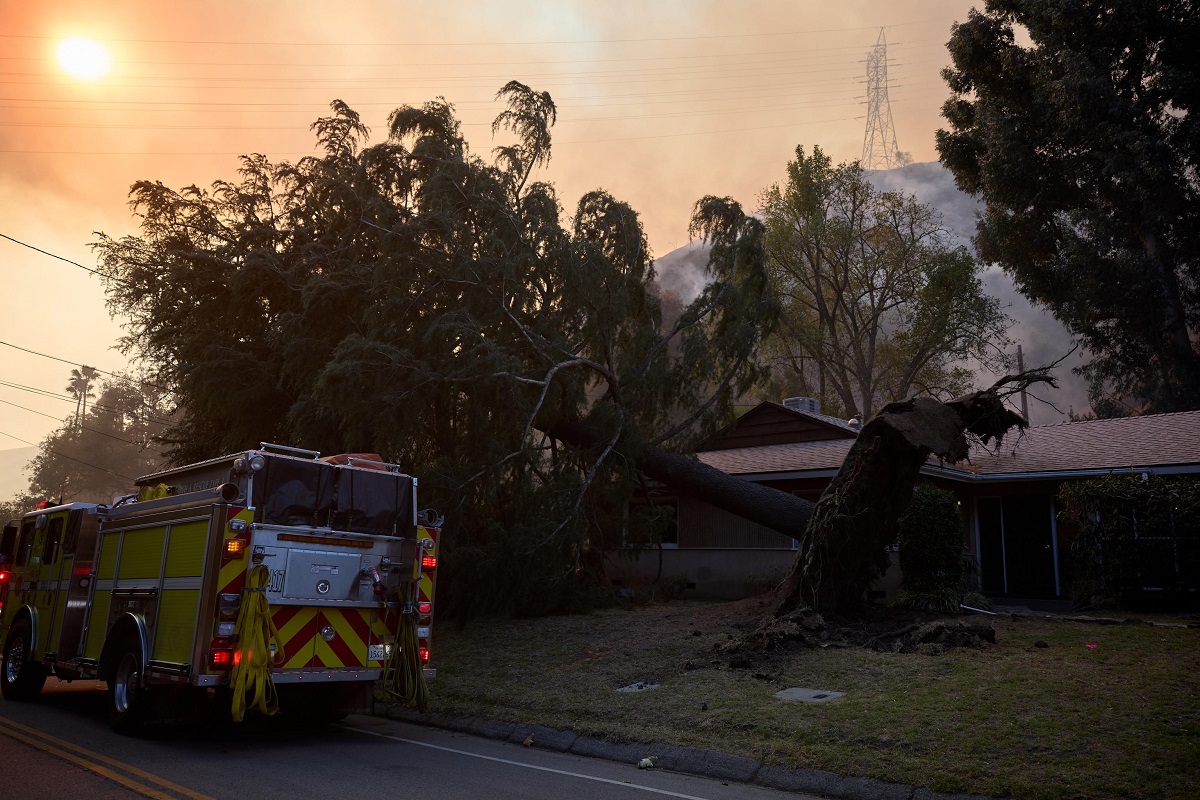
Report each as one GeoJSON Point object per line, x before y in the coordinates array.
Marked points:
{"type": "Point", "coordinates": [694, 761]}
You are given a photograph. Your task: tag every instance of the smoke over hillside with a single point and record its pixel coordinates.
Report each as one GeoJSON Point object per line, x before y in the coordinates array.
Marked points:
{"type": "Point", "coordinates": [1043, 339]}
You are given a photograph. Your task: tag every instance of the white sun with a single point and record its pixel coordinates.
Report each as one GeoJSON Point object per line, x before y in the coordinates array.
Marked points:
{"type": "Point", "coordinates": [86, 59]}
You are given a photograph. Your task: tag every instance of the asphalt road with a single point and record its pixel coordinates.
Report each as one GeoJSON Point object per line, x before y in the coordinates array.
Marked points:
{"type": "Point", "coordinates": [61, 746]}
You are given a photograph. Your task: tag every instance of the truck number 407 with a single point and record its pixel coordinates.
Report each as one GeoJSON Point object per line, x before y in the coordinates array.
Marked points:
{"type": "Point", "coordinates": [275, 583]}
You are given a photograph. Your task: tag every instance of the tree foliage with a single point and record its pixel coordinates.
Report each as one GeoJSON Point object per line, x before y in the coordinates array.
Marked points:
{"type": "Point", "coordinates": [96, 457]}
{"type": "Point", "coordinates": [412, 299]}
{"type": "Point", "coordinates": [1077, 122]}
{"type": "Point", "coordinates": [877, 301]}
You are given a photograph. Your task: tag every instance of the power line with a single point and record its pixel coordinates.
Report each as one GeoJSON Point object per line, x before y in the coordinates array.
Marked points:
{"type": "Point", "coordinates": [70, 458]}
{"type": "Point", "coordinates": [491, 63]}
{"type": "Point", "coordinates": [485, 43]}
{"type": "Point", "coordinates": [116, 375]}
{"type": "Point", "coordinates": [52, 358]}
{"type": "Point", "coordinates": [68, 399]}
{"type": "Point", "coordinates": [63, 258]}
{"type": "Point", "coordinates": [554, 70]}
{"type": "Point", "coordinates": [82, 427]}
{"type": "Point", "coordinates": [559, 142]}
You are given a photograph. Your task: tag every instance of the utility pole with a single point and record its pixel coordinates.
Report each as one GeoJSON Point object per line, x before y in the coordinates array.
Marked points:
{"type": "Point", "coordinates": [880, 150]}
{"type": "Point", "coordinates": [1024, 397]}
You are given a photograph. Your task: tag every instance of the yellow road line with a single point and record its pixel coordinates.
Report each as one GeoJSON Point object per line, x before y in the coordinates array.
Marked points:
{"type": "Point", "coordinates": [19, 731]}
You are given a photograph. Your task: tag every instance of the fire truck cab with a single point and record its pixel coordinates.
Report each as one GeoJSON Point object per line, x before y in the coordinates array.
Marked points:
{"type": "Point", "coordinates": [271, 567]}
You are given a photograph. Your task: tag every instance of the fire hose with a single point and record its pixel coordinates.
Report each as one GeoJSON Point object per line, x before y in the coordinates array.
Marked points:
{"type": "Point", "coordinates": [256, 633]}
{"type": "Point", "coordinates": [403, 675]}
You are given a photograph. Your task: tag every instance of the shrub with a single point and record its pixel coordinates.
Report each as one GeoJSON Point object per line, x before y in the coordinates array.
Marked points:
{"type": "Point", "coordinates": [1138, 541]}
{"type": "Point", "coordinates": [930, 540]}
{"type": "Point", "coordinates": [936, 575]}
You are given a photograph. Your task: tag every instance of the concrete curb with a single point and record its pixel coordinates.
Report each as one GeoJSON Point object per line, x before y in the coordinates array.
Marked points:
{"type": "Point", "coordinates": [694, 761]}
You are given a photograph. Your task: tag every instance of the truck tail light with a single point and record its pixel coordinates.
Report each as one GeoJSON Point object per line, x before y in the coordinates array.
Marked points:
{"type": "Point", "coordinates": [424, 651]}
{"type": "Point", "coordinates": [221, 657]}
{"type": "Point", "coordinates": [235, 548]}
{"type": "Point", "coordinates": [424, 608]}
{"type": "Point", "coordinates": [428, 563]}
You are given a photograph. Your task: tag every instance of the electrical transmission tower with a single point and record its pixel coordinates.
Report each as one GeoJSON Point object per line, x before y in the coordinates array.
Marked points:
{"type": "Point", "coordinates": [880, 150]}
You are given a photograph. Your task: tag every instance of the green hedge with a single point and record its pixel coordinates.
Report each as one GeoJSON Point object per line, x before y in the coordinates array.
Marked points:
{"type": "Point", "coordinates": [1139, 540]}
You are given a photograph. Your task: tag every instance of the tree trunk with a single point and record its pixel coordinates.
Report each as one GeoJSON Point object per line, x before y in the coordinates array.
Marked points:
{"type": "Point", "coordinates": [777, 510]}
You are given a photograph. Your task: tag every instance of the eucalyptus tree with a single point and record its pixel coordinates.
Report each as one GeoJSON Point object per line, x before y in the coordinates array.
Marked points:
{"type": "Point", "coordinates": [1076, 122]}
{"type": "Point", "coordinates": [414, 299]}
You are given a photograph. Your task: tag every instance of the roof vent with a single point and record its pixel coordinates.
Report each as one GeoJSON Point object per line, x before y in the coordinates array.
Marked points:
{"type": "Point", "coordinates": [808, 404]}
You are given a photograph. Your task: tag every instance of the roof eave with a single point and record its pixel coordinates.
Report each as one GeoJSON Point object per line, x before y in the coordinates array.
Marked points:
{"type": "Point", "coordinates": [970, 477]}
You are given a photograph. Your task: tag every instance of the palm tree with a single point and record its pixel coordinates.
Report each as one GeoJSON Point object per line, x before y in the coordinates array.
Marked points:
{"type": "Point", "coordinates": [81, 389]}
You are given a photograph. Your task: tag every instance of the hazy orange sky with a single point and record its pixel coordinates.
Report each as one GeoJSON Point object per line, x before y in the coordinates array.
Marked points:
{"type": "Point", "coordinates": [659, 103]}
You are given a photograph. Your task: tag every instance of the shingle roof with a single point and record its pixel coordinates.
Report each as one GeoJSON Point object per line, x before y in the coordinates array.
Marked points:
{"type": "Point", "coordinates": [836, 422]}
{"type": "Point", "coordinates": [1147, 441]}
{"type": "Point", "coordinates": [792, 457]}
{"type": "Point", "coordinates": [1107, 444]}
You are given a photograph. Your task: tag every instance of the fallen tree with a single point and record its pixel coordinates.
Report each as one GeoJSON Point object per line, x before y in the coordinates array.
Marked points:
{"type": "Point", "coordinates": [842, 537]}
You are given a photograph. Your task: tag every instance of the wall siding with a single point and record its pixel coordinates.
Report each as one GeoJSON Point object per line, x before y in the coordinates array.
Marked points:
{"type": "Point", "coordinates": [704, 525]}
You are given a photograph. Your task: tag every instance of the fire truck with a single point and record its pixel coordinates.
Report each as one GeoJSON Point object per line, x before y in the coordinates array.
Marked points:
{"type": "Point", "coordinates": [268, 579]}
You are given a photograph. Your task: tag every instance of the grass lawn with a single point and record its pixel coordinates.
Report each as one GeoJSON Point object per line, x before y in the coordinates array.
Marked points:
{"type": "Point", "coordinates": [1120, 719]}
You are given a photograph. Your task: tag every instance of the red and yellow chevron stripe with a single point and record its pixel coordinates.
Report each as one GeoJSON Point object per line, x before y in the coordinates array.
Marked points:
{"type": "Point", "coordinates": [232, 576]}
{"type": "Point", "coordinates": [304, 646]}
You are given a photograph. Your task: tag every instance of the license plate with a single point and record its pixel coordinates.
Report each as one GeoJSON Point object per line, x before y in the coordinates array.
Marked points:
{"type": "Point", "coordinates": [378, 652]}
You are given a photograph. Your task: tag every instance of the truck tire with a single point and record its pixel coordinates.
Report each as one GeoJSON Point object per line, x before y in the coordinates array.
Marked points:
{"type": "Point", "coordinates": [128, 700]}
{"type": "Point", "coordinates": [20, 678]}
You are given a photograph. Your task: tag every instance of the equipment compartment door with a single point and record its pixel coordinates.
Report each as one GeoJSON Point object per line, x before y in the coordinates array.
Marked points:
{"type": "Point", "coordinates": [316, 575]}
{"type": "Point", "coordinates": [42, 578]}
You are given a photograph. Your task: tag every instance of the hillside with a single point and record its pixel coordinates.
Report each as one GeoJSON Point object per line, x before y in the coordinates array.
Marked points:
{"type": "Point", "coordinates": [13, 479]}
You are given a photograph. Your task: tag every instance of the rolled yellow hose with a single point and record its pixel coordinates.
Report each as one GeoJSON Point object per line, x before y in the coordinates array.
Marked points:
{"type": "Point", "coordinates": [250, 679]}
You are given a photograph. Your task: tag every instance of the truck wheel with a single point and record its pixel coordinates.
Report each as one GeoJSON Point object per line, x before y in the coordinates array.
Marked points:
{"type": "Point", "coordinates": [128, 701]}
{"type": "Point", "coordinates": [20, 678]}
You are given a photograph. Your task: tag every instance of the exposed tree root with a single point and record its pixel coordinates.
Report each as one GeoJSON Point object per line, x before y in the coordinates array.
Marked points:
{"type": "Point", "coordinates": [879, 629]}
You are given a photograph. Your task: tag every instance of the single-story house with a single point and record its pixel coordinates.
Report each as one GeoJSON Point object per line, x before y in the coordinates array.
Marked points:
{"type": "Point", "coordinates": [1007, 497]}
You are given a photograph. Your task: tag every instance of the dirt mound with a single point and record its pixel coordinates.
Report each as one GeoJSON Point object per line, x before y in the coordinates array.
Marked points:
{"type": "Point", "coordinates": [880, 629]}
{"type": "Point", "coordinates": [936, 637]}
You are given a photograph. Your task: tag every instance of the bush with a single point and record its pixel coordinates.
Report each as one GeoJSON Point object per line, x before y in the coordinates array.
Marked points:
{"type": "Point", "coordinates": [936, 575]}
{"type": "Point", "coordinates": [930, 541]}
{"type": "Point", "coordinates": [1138, 542]}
